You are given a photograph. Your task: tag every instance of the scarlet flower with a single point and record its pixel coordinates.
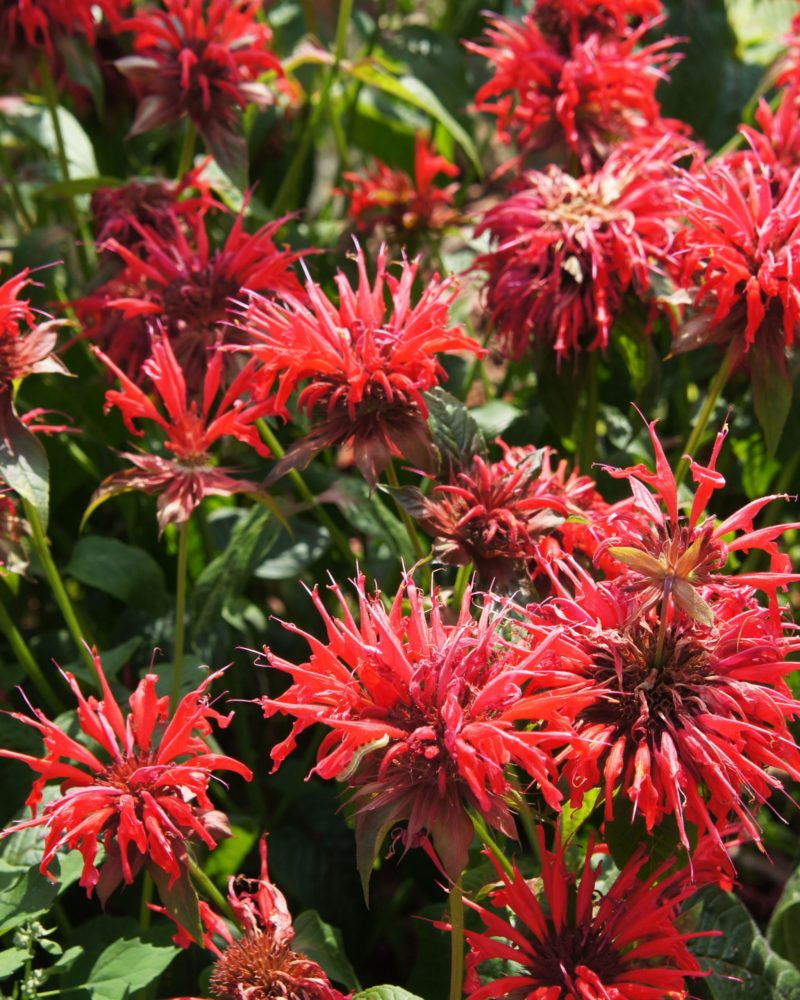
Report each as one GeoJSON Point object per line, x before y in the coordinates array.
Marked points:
{"type": "Point", "coordinates": [690, 720]}
{"type": "Point", "coordinates": [568, 22]}
{"type": "Point", "coordinates": [189, 475]}
{"type": "Point", "coordinates": [366, 363]}
{"type": "Point", "coordinates": [145, 800]}
{"type": "Point", "coordinates": [423, 717]}
{"type": "Point", "coordinates": [186, 285]}
{"type": "Point", "coordinates": [580, 103]}
{"type": "Point", "coordinates": [391, 199]}
{"type": "Point", "coordinates": [566, 250]}
{"type": "Point", "coordinates": [38, 24]}
{"type": "Point", "coordinates": [204, 61]}
{"type": "Point", "coordinates": [24, 352]}
{"type": "Point", "coordinates": [569, 942]}
{"type": "Point", "coordinates": [775, 145]}
{"type": "Point", "coordinates": [260, 964]}
{"type": "Point", "coordinates": [510, 518]}
{"type": "Point", "coordinates": [120, 213]}
{"type": "Point", "coordinates": [673, 558]}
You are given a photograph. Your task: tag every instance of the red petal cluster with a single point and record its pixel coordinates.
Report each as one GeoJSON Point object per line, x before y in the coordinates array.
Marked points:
{"type": "Point", "coordinates": [185, 284]}
{"type": "Point", "coordinates": [202, 60]}
{"type": "Point", "coordinates": [569, 942]}
{"type": "Point", "coordinates": [24, 352]}
{"type": "Point", "coordinates": [190, 430]}
{"type": "Point", "coordinates": [393, 201]}
{"type": "Point", "coordinates": [575, 102]}
{"type": "Point", "coordinates": [365, 363]}
{"type": "Point", "coordinates": [142, 793]}
{"type": "Point", "coordinates": [423, 717]}
{"type": "Point", "coordinates": [566, 249]}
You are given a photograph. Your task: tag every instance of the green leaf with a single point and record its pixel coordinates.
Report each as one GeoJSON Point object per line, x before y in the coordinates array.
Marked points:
{"type": "Point", "coordinates": [12, 959]}
{"type": "Point", "coordinates": [743, 964]}
{"type": "Point", "coordinates": [453, 429]}
{"type": "Point", "coordinates": [323, 944]}
{"type": "Point", "coordinates": [131, 963]}
{"type": "Point", "coordinates": [385, 993]}
{"type": "Point", "coordinates": [571, 820]}
{"type": "Point", "coordinates": [230, 855]}
{"type": "Point", "coordinates": [625, 834]}
{"type": "Point", "coordinates": [227, 575]}
{"type": "Point", "coordinates": [125, 571]}
{"type": "Point", "coordinates": [76, 186]}
{"type": "Point", "coordinates": [495, 417]}
{"type": "Point", "coordinates": [292, 554]}
{"type": "Point", "coordinates": [783, 932]}
{"type": "Point", "coordinates": [758, 468]}
{"type": "Point", "coordinates": [369, 514]}
{"type": "Point", "coordinates": [78, 146]}
{"type": "Point", "coordinates": [418, 95]}
{"type": "Point", "coordinates": [772, 388]}
{"type": "Point", "coordinates": [759, 26]}
{"type": "Point", "coordinates": [180, 899]}
{"type": "Point", "coordinates": [23, 463]}
{"type": "Point", "coordinates": [29, 894]}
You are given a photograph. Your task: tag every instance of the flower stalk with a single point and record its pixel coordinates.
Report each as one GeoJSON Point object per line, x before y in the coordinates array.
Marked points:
{"type": "Point", "coordinates": [718, 383]}
{"type": "Point", "coordinates": [180, 612]}
{"type": "Point", "coordinates": [27, 661]}
{"type": "Point", "coordinates": [456, 941]}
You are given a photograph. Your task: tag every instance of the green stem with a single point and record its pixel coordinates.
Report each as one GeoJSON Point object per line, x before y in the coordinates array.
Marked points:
{"type": "Point", "coordinates": [145, 913]}
{"type": "Point", "coordinates": [180, 613]}
{"type": "Point", "coordinates": [203, 882]}
{"type": "Point", "coordinates": [41, 546]}
{"type": "Point", "coordinates": [712, 395]}
{"type": "Point", "coordinates": [525, 814]}
{"type": "Point", "coordinates": [482, 831]}
{"type": "Point", "coordinates": [456, 941]}
{"type": "Point", "coordinates": [51, 99]}
{"type": "Point", "coordinates": [27, 660]}
{"type": "Point", "coordinates": [587, 437]}
{"type": "Point", "coordinates": [411, 530]}
{"type": "Point", "coordinates": [284, 199]}
{"type": "Point", "coordinates": [187, 149]}
{"type": "Point", "coordinates": [338, 536]}
{"type": "Point", "coordinates": [310, 16]}
{"type": "Point", "coordinates": [16, 197]}
{"type": "Point", "coordinates": [463, 577]}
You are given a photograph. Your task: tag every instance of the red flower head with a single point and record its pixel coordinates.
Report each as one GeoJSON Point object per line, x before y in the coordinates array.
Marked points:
{"type": "Point", "coordinates": [24, 353]}
{"type": "Point", "coordinates": [366, 363]}
{"type": "Point", "coordinates": [741, 261]}
{"type": "Point", "coordinates": [392, 200]}
{"type": "Point", "coordinates": [774, 146]}
{"type": "Point", "coordinates": [187, 286]}
{"type": "Point", "coordinates": [569, 942]}
{"type": "Point", "coordinates": [511, 518]}
{"type": "Point", "coordinates": [423, 717]}
{"type": "Point", "coordinates": [672, 558]}
{"type": "Point", "coordinates": [579, 103]}
{"type": "Point", "coordinates": [39, 24]}
{"type": "Point", "coordinates": [690, 719]}
{"type": "Point", "coordinates": [121, 213]}
{"type": "Point", "coordinates": [567, 250]}
{"type": "Point", "coordinates": [202, 60]}
{"type": "Point", "coordinates": [260, 964]}
{"type": "Point", "coordinates": [142, 792]}
{"type": "Point", "coordinates": [568, 22]}
{"type": "Point", "coordinates": [191, 430]}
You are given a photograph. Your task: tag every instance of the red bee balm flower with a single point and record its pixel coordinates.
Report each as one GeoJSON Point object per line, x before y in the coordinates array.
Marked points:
{"type": "Point", "coordinates": [146, 799]}
{"type": "Point", "coordinates": [204, 61]}
{"type": "Point", "coordinates": [568, 249]}
{"type": "Point", "coordinates": [423, 717]}
{"type": "Point", "coordinates": [581, 102]}
{"type": "Point", "coordinates": [568, 22]}
{"type": "Point", "coordinates": [689, 719]}
{"type": "Point", "coordinates": [366, 364]}
{"type": "Point", "coordinates": [186, 285]}
{"type": "Point", "coordinates": [23, 353]}
{"type": "Point", "coordinates": [261, 964]}
{"type": "Point", "coordinates": [572, 943]}
{"type": "Point", "coordinates": [391, 199]}
{"type": "Point", "coordinates": [190, 475]}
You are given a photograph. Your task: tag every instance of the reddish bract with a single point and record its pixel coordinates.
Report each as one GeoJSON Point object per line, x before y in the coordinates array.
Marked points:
{"type": "Point", "coordinates": [143, 793]}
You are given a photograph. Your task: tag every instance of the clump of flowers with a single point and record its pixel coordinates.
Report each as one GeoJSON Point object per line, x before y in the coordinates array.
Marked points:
{"type": "Point", "coordinates": [423, 717]}
{"type": "Point", "coordinates": [201, 61]}
{"type": "Point", "coordinates": [399, 204]}
{"type": "Point", "coordinates": [181, 281]}
{"type": "Point", "coordinates": [190, 429]}
{"type": "Point", "coordinates": [142, 792]}
{"type": "Point", "coordinates": [567, 250]}
{"type": "Point", "coordinates": [366, 363]}
{"type": "Point", "coordinates": [579, 102]}
{"type": "Point", "coordinates": [569, 940]}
